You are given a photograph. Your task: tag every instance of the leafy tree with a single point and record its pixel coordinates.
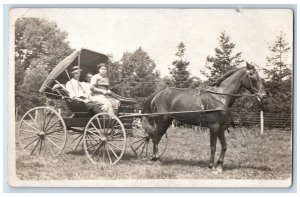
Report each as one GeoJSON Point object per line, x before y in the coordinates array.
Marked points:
{"type": "Point", "coordinates": [38, 41]}
{"type": "Point", "coordinates": [279, 80]}
{"type": "Point", "coordinates": [39, 46]}
{"type": "Point", "coordinates": [224, 59]}
{"type": "Point", "coordinates": [180, 74]}
{"type": "Point", "coordinates": [137, 76]}
{"type": "Point", "coordinates": [29, 96]}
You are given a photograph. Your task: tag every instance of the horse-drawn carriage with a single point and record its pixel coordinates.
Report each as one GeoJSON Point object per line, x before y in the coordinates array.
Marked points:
{"type": "Point", "coordinates": [44, 131]}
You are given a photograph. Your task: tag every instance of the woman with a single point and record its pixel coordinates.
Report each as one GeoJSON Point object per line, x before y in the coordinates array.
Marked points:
{"type": "Point", "coordinates": [99, 90]}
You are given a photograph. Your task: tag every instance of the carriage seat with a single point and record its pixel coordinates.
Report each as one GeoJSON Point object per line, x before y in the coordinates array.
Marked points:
{"type": "Point", "coordinates": [79, 108]}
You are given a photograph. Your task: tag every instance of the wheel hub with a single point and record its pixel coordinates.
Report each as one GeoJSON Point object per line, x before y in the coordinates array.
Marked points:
{"type": "Point", "coordinates": [42, 134]}
{"type": "Point", "coordinates": [103, 139]}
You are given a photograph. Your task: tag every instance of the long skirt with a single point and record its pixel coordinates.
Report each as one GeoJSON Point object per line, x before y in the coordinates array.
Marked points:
{"type": "Point", "coordinates": [107, 103]}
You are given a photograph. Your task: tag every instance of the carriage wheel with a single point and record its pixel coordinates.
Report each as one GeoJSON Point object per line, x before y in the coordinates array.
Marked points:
{"type": "Point", "coordinates": [104, 139]}
{"type": "Point", "coordinates": [142, 145]}
{"type": "Point", "coordinates": [42, 131]}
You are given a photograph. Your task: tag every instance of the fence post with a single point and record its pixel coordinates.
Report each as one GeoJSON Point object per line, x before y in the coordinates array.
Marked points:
{"type": "Point", "coordinates": [261, 122]}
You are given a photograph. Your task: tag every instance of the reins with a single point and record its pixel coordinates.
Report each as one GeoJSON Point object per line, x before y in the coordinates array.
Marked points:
{"type": "Point", "coordinates": [236, 95]}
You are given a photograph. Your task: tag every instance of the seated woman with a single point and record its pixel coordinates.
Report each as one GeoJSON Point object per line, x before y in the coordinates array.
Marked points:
{"type": "Point", "coordinates": [100, 90]}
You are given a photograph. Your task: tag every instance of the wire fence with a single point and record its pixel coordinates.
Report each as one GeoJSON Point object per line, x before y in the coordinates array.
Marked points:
{"type": "Point", "coordinates": [271, 120]}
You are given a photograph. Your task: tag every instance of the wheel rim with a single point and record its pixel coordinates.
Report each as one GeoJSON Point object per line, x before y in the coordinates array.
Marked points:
{"type": "Point", "coordinates": [42, 131]}
{"type": "Point", "coordinates": [142, 146]}
{"type": "Point", "coordinates": [104, 139]}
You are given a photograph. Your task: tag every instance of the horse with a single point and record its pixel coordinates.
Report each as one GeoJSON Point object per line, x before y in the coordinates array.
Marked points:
{"type": "Point", "coordinates": [209, 107]}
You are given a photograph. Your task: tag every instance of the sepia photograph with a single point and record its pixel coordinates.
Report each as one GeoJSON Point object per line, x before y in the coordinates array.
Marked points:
{"type": "Point", "coordinates": [137, 97]}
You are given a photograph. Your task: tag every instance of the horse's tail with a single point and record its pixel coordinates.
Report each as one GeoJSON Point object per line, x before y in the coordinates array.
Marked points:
{"type": "Point", "coordinates": [148, 108]}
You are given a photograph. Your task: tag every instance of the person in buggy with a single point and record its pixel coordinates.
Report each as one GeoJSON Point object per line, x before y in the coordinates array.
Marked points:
{"type": "Point", "coordinates": [100, 91]}
{"type": "Point", "coordinates": [81, 91]}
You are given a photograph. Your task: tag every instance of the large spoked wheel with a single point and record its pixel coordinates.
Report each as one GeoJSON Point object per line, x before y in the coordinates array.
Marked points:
{"type": "Point", "coordinates": [104, 139]}
{"type": "Point", "coordinates": [142, 145]}
{"type": "Point", "coordinates": [42, 131]}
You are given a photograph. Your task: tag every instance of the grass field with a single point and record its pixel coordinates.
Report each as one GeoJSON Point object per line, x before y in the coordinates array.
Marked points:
{"type": "Point", "coordinates": [249, 156]}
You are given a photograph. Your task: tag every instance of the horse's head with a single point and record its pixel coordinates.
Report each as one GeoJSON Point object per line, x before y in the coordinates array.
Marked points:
{"type": "Point", "coordinates": [253, 83]}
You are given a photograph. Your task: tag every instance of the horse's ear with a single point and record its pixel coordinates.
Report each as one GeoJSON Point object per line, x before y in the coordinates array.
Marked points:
{"type": "Point", "coordinates": [249, 66]}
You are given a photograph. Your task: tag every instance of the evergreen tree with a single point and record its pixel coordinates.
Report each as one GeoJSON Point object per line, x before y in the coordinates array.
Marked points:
{"type": "Point", "coordinates": [180, 74]}
{"type": "Point", "coordinates": [279, 80]}
{"type": "Point", "coordinates": [280, 69]}
{"type": "Point", "coordinates": [224, 59]}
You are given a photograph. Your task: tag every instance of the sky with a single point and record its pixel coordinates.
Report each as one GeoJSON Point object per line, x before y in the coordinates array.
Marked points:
{"type": "Point", "coordinates": [159, 31]}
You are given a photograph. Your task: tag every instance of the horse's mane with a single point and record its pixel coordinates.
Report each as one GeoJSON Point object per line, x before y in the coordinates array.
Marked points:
{"type": "Point", "coordinates": [218, 81]}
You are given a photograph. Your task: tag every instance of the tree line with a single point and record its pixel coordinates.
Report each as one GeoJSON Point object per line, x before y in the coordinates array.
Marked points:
{"type": "Point", "coordinates": [40, 45]}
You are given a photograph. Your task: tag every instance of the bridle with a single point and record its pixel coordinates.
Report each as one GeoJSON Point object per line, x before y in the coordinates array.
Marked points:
{"type": "Point", "coordinates": [255, 94]}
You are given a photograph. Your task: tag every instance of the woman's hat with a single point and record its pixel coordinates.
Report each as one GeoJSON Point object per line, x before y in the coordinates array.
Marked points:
{"type": "Point", "coordinates": [75, 69]}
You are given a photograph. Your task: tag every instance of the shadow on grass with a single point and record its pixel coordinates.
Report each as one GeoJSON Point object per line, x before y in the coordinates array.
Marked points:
{"type": "Point", "coordinates": [205, 164]}
{"type": "Point", "coordinates": [184, 162]}
{"type": "Point", "coordinates": [76, 152]}
{"type": "Point", "coordinates": [238, 166]}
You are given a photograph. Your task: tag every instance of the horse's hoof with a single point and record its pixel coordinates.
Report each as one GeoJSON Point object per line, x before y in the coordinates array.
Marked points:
{"type": "Point", "coordinates": [217, 170]}
{"type": "Point", "coordinates": [154, 159]}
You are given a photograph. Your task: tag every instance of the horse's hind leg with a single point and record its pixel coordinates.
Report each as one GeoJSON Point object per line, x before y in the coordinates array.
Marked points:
{"type": "Point", "coordinates": [222, 139]}
{"type": "Point", "coordinates": [161, 128]}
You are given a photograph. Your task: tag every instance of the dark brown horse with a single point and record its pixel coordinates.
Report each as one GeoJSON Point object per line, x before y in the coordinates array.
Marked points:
{"type": "Point", "coordinates": [212, 104]}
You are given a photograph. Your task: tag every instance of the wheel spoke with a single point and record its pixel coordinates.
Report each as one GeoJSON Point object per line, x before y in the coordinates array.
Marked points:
{"type": "Point", "coordinates": [143, 148]}
{"type": "Point", "coordinates": [35, 146]}
{"type": "Point", "coordinates": [52, 115]}
{"type": "Point", "coordinates": [53, 142]}
{"type": "Point", "coordinates": [96, 129]}
{"type": "Point", "coordinates": [40, 147]}
{"type": "Point", "coordinates": [28, 131]}
{"type": "Point", "coordinates": [111, 139]}
{"type": "Point", "coordinates": [93, 145]}
{"type": "Point", "coordinates": [78, 142]}
{"type": "Point", "coordinates": [81, 135]}
{"type": "Point", "coordinates": [32, 118]}
{"type": "Point", "coordinates": [115, 146]}
{"type": "Point", "coordinates": [52, 126]}
{"type": "Point", "coordinates": [31, 142]}
{"type": "Point", "coordinates": [140, 145]}
{"type": "Point", "coordinates": [49, 148]}
{"type": "Point", "coordinates": [96, 150]}
{"type": "Point", "coordinates": [143, 139]}
{"type": "Point", "coordinates": [109, 156]}
{"type": "Point", "coordinates": [99, 153]}
{"type": "Point", "coordinates": [98, 122]}
{"type": "Point", "coordinates": [141, 133]}
{"type": "Point", "coordinates": [25, 138]}
{"type": "Point", "coordinates": [31, 126]}
{"type": "Point", "coordinates": [55, 137]}
{"type": "Point", "coordinates": [112, 151]}
{"type": "Point", "coordinates": [93, 133]}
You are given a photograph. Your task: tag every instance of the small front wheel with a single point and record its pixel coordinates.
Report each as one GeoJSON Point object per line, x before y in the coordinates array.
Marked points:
{"type": "Point", "coordinates": [104, 139]}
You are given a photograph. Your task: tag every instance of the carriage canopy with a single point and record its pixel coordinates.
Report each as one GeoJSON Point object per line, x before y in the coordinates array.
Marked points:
{"type": "Point", "coordinates": [85, 59]}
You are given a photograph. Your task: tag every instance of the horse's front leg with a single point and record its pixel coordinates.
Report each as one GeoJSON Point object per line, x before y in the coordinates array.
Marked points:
{"type": "Point", "coordinates": [213, 129]}
{"type": "Point", "coordinates": [222, 139]}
